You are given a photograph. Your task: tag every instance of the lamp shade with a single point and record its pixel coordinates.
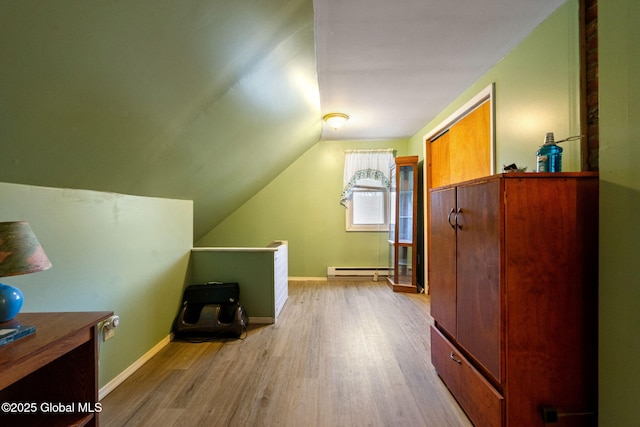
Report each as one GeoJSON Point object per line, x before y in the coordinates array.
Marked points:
{"type": "Point", "coordinates": [20, 253]}
{"type": "Point", "coordinates": [20, 250]}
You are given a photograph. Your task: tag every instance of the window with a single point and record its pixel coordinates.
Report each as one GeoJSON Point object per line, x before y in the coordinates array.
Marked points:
{"type": "Point", "coordinates": [366, 190]}
{"type": "Point", "coordinates": [367, 210]}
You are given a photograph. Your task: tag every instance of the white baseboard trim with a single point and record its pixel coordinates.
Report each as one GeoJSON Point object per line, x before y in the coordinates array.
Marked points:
{"type": "Point", "coordinates": [120, 378]}
{"type": "Point", "coordinates": [306, 279]}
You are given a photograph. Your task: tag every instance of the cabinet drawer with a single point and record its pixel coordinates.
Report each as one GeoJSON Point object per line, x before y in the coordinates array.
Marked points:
{"type": "Point", "coordinates": [482, 403]}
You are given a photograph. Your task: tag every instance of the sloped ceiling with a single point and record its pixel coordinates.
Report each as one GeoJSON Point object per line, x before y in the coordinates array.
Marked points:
{"type": "Point", "coordinates": [209, 100]}
{"type": "Point", "coordinates": [200, 100]}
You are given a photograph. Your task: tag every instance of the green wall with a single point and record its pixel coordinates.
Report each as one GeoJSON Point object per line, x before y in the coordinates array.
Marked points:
{"type": "Point", "coordinates": [619, 63]}
{"type": "Point", "coordinates": [110, 252]}
{"type": "Point", "coordinates": [536, 91]}
{"type": "Point", "coordinates": [257, 287]}
{"type": "Point", "coordinates": [302, 206]}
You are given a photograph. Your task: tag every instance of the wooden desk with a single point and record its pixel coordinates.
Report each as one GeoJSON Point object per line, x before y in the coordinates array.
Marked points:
{"type": "Point", "coordinates": [51, 377]}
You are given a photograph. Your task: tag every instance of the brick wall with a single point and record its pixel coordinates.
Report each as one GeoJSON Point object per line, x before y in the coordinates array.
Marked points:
{"type": "Point", "coordinates": [590, 82]}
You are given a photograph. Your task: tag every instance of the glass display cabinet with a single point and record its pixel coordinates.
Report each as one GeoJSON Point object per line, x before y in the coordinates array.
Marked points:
{"type": "Point", "coordinates": [402, 224]}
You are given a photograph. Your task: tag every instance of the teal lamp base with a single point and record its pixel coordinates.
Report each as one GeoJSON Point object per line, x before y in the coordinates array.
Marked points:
{"type": "Point", "coordinates": [10, 302]}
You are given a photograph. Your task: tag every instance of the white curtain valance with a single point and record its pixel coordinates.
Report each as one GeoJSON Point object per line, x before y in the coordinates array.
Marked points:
{"type": "Point", "coordinates": [369, 164]}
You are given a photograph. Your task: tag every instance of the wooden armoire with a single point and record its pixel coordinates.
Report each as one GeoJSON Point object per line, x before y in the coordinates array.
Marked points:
{"type": "Point", "coordinates": [513, 279]}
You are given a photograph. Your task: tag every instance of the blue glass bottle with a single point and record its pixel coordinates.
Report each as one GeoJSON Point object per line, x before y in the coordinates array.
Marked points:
{"type": "Point", "coordinates": [549, 156]}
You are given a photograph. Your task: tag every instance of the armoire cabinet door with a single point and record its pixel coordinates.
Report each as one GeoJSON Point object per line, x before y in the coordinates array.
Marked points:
{"type": "Point", "coordinates": [479, 222]}
{"type": "Point", "coordinates": [442, 259]}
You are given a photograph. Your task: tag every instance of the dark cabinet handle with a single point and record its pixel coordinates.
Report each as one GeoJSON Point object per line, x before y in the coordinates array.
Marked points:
{"type": "Point", "coordinates": [449, 218]}
{"type": "Point", "coordinates": [456, 218]}
{"type": "Point", "coordinates": [453, 357]}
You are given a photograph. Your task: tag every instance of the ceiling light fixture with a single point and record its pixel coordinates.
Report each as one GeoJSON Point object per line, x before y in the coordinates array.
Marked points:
{"type": "Point", "coordinates": [335, 120]}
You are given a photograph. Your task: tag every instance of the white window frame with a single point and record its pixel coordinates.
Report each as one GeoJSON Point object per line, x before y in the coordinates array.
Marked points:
{"type": "Point", "coordinates": [365, 185]}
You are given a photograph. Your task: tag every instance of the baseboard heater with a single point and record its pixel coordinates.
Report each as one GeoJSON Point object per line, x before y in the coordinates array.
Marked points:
{"type": "Point", "coordinates": [357, 272]}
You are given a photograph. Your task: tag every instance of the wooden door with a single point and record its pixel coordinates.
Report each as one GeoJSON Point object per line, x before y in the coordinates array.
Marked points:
{"type": "Point", "coordinates": [442, 258]}
{"type": "Point", "coordinates": [470, 151]}
{"type": "Point", "coordinates": [463, 151]}
{"type": "Point", "coordinates": [478, 273]}
{"type": "Point", "coordinates": [439, 161]}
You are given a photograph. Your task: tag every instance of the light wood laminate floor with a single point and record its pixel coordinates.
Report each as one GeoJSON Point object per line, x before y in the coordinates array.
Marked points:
{"type": "Point", "coordinates": [341, 354]}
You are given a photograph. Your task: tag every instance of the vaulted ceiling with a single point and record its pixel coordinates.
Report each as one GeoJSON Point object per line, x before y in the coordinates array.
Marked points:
{"type": "Point", "coordinates": [210, 100]}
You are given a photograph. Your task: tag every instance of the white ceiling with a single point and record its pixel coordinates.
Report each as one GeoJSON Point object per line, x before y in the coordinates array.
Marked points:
{"type": "Point", "coordinates": [393, 66]}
